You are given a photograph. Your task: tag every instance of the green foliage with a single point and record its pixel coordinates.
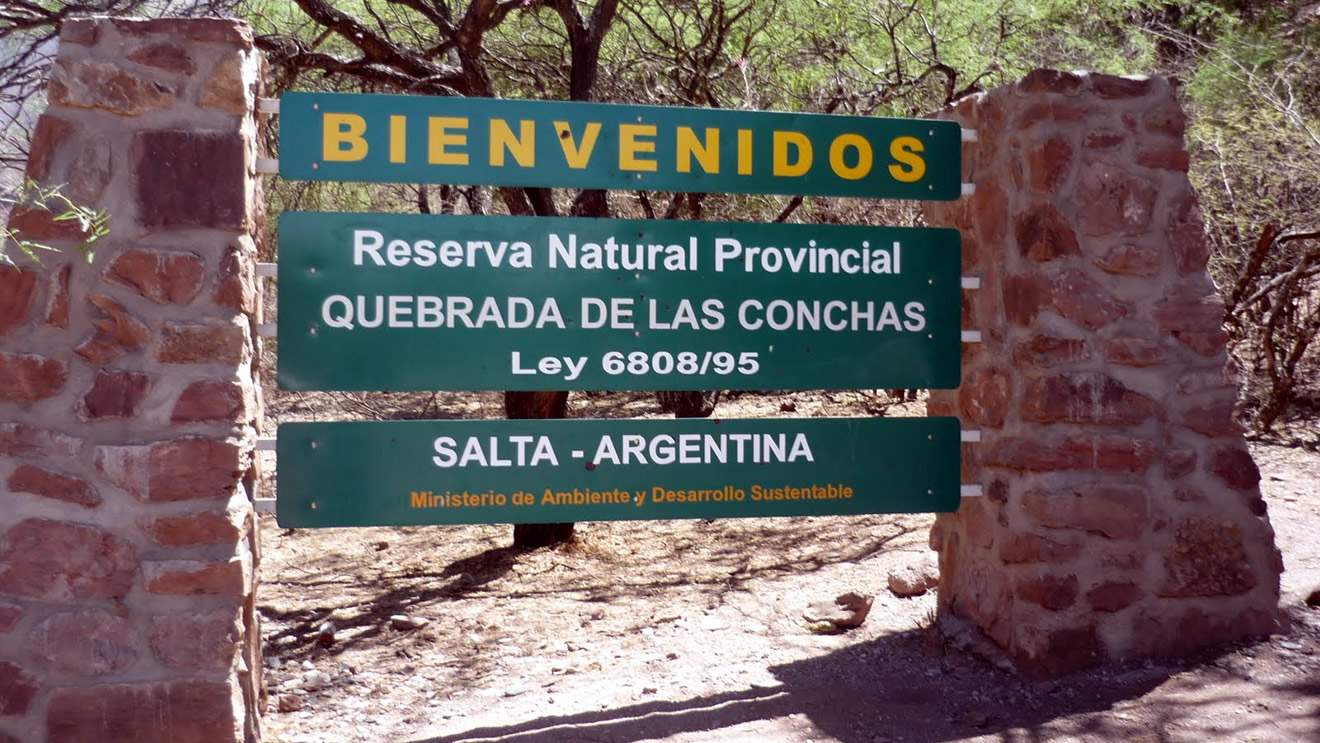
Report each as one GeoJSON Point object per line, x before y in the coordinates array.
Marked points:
{"type": "Point", "coordinates": [1255, 141]}
{"type": "Point", "coordinates": [1247, 67]}
{"type": "Point", "coordinates": [94, 223]}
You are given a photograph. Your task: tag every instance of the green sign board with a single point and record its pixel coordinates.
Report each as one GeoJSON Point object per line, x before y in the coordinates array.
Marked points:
{"type": "Point", "coordinates": [418, 302]}
{"type": "Point", "coordinates": [536, 471]}
{"type": "Point", "coordinates": [432, 139]}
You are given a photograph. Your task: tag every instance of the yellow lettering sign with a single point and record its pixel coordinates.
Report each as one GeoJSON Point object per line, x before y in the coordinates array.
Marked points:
{"type": "Point", "coordinates": [799, 142]}
{"type": "Point", "coordinates": [864, 156]}
{"type": "Point", "coordinates": [744, 152]}
{"type": "Point", "coordinates": [398, 139]}
{"type": "Point", "coordinates": [341, 137]}
{"type": "Point", "coordinates": [706, 153]}
{"type": "Point", "coordinates": [904, 149]}
{"type": "Point", "coordinates": [441, 139]}
{"type": "Point", "coordinates": [577, 155]}
{"type": "Point", "coordinates": [630, 146]}
{"type": "Point", "coordinates": [522, 147]}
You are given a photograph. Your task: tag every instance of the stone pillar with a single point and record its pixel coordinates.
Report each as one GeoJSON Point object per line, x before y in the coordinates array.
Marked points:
{"type": "Point", "coordinates": [1121, 515]}
{"type": "Point", "coordinates": [128, 406]}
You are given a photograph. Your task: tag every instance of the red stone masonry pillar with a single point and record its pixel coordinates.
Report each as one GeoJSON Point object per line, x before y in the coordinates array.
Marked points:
{"type": "Point", "coordinates": [1121, 516]}
{"type": "Point", "coordinates": [128, 406]}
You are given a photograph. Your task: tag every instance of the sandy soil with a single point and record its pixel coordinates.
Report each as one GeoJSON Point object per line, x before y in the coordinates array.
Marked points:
{"type": "Point", "coordinates": [690, 631]}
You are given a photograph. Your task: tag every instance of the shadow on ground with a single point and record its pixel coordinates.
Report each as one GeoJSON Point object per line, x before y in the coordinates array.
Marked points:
{"type": "Point", "coordinates": [903, 687]}
{"type": "Point", "coordinates": [365, 611]}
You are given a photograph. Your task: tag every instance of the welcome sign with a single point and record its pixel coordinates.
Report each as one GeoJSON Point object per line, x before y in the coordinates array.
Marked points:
{"type": "Point", "coordinates": [432, 139]}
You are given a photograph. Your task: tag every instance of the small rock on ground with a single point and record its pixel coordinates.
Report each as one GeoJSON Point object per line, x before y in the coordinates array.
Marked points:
{"type": "Point", "coordinates": [845, 612]}
{"type": "Point", "coordinates": [402, 622]}
{"type": "Point", "coordinates": [914, 579]}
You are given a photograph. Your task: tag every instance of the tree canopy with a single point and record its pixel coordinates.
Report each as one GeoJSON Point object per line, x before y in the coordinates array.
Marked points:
{"type": "Point", "coordinates": [1247, 68]}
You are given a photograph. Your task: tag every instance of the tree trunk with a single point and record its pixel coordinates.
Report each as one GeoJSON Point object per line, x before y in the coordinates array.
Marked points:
{"type": "Point", "coordinates": [538, 405]}
{"type": "Point", "coordinates": [688, 403]}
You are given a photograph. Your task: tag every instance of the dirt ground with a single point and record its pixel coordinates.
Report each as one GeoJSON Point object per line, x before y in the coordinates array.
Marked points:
{"type": "Point", "coordinates": [688, 631]}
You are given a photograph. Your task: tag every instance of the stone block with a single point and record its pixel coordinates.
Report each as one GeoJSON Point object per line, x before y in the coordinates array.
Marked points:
{"type": "Point", "coordinates": [90, 83]}
{"type": "Point", "coordinates": [91, 172]}
{"type": "Point", "coordinates": [1084, 397]}
{"type": "Point", "coordinates": [1185, 233]}
{"type": "Point", "coordinates": [197, 640]}
{"type": "Point", "coordinates": [1135, 352]}
{"type": "Point", "coordinates": [1049, 164]}
{"type": "Point", "coordinates": [1049, 112]}
{"type": "Point", "coordinates": [38, 224]}
{"type": "Point", "coordinates": [17, 287]}
{"type": "Point", "coordinates": [1235, 467]}
{"type": "Point", "coordinates": [164, 56]}
{"type": "Point", "coordinates": [1065, 651]}
{"type": "Point", "coordinates": [89, 643]}
{"type": "Point", "coordinates": [198, 578]}
{"type": "Point", "coordinates": [17, 689]}
{"type": "Point", "coordinates": [212, 401]}
{"type": "Point", "coordinates": [159, 275]}
{"type": "Point", "coordinates": [990, 207]}
{"type": "Point", "coordinates": [115, 395]}
{"type": "Point", "coordinates": [1179, 463]}
{"type": "Point", "coordinates": [27, 377]}
{"type": "Point", "coordinates": [57, 305]}
{"type": "Point", "coordinates": [1103, 139]}
{"type": "Point", "coordinates": [50, 132]}
{"type": "Point", "coordinates": [47, 484]}
{"type": "Point", "coordinates": [990, 120]}
{"type": "Point", "coordinates": [1052, 592]}
{"type": "Point", "coordinates": [1024, 295]}
{"type": "Point", "coordinates": [1082, 452]}
{"type": "Point", "coordinates": [1131, 260]}
{"type": "Point", "coordinates": [985, 396]}
{"type": "Point", "coordinates": [1027, 549]}
{"type": "Point", "coordinates": [117, 332]}
{"type": "Point", "coordinates": [1043, 234]}
{"type": "Point", "coordinates": [1168, 119]}
{"type": "Point", "coordinates": [1045, 350]}
{"type": "Point", "coordinates": [1213, 415]}
{"type": "Point", "coordinates": [18, 440]}
{"type": "Point", "coordinates": [1191, 317]}
{"type": "Point", "coordinates": [79, 31]}
{"type": "Point", "coordinates": [9, 615]}
{"type": "Point", "coordinates": [1114, 595]}
{"type": "Point", "coordinates": [1051, 81]}
{"type": "Point", "coordinates": [1080, 299]}
{"type": "Point", "coordinates": [1109, 510]}
{"type": "Point", "coordinates": [193, 467]}
{"type": "Point", "coordinates": [63, 562]}
{"type": "Point", "coordinates": [978, 524]}
{"type": "Point", "coordinates": [1113, 87]}
{"type": "Point", "coordinates": [204, 528]}
{"type": "Point", "coordinates": [190, 179]}
{"type": "Point", "coordinates": [184, 711]}
{"type": "Point", "coordinates": [210, 30]}
{"type": "Point", "coordinates": [1207, 558]}
{"type": "Point", "coordinates": [224, 89]}
{"type": "Point", "coordinates": [1165, 158]}
{"type": "Point", "coordinates": [216, 342]}
{"type": "Point", "coordinates": [1112, 201]}
{"type": "Point", "coordinates": [237, 288]}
